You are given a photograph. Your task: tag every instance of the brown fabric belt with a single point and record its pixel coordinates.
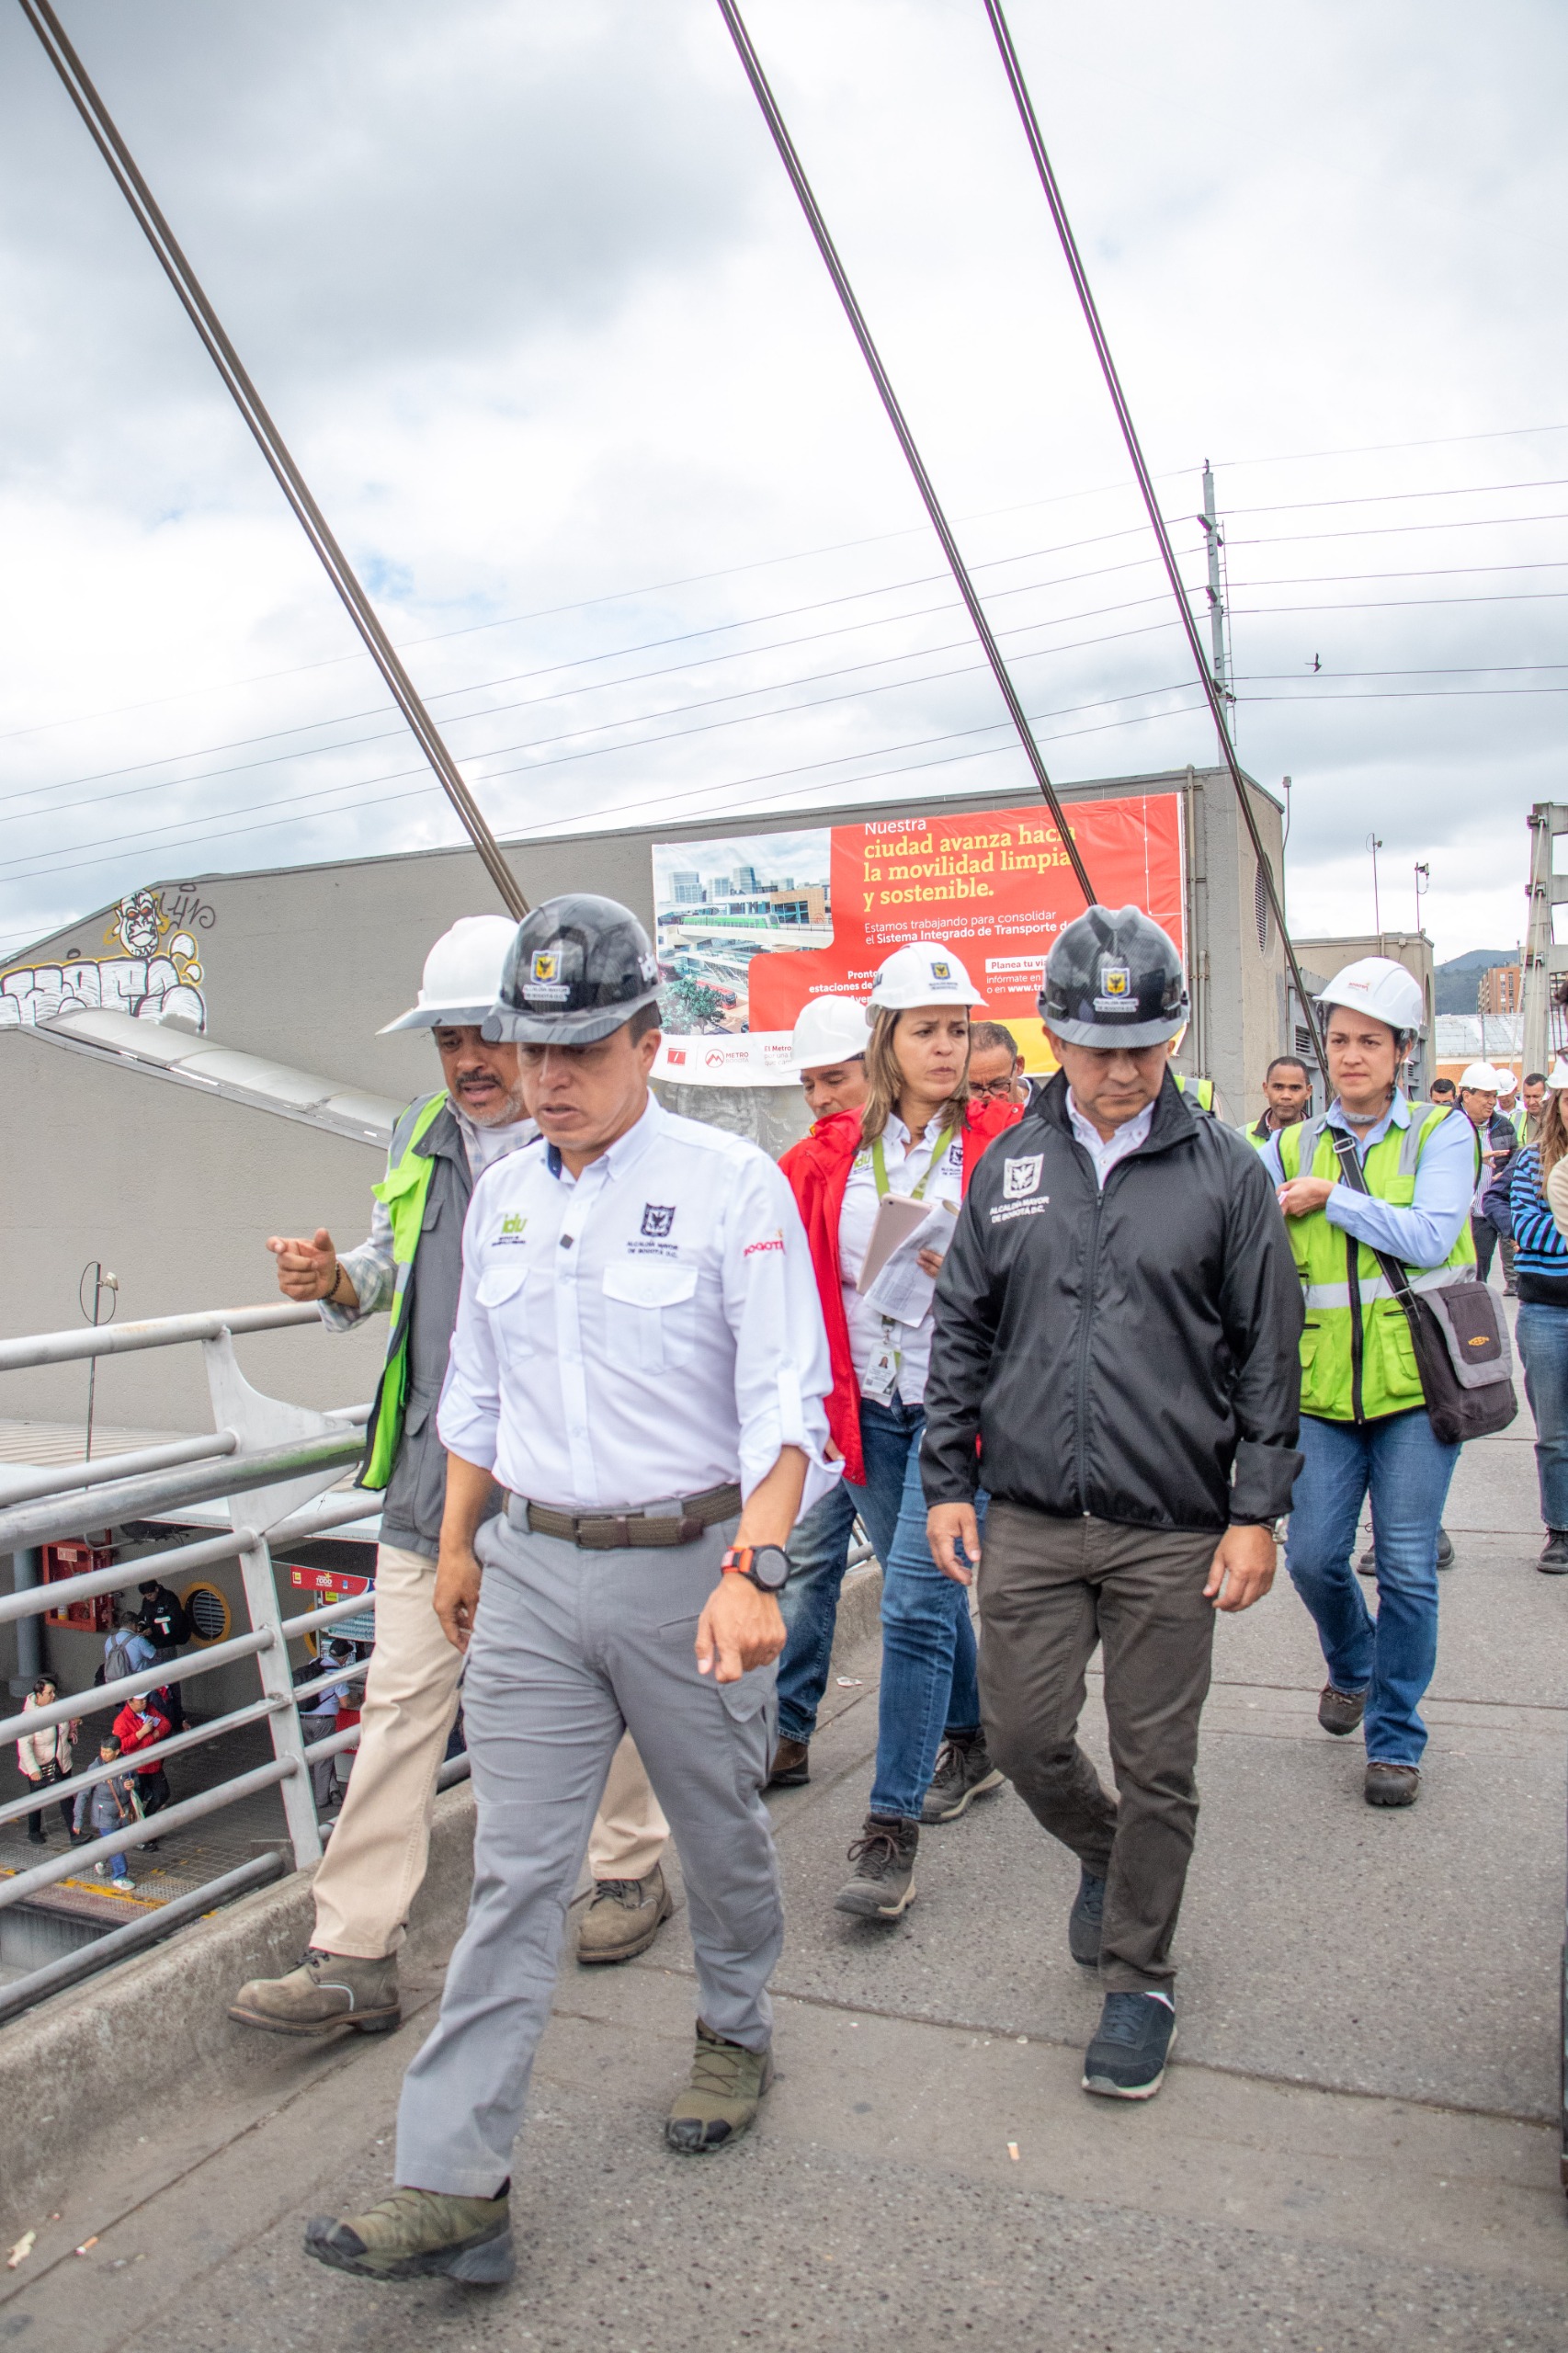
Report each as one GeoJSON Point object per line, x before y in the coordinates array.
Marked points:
{"type": "Point", "coordinates": [614, 1532]}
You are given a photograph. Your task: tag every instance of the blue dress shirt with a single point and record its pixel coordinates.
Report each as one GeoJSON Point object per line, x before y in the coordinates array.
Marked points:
{"type": "Point", "coordinates": [1423, 1235]}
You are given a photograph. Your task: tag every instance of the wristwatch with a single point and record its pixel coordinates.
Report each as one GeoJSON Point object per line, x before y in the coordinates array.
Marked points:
{"type": "Point", "coordinates": [767, 1566]}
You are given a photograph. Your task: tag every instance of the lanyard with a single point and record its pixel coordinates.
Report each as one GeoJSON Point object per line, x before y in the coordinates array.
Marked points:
{"type": "Point", "coordinates": [880, 1164]}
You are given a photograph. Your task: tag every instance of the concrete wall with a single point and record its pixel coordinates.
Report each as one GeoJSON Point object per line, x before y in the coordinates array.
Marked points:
{"type": "Point", "coordinates": [175, 1192]}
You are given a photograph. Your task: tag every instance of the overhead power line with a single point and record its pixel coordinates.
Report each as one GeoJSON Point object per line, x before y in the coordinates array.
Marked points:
{"type": "Point", "coordinates": [1025, 103]}
{"type": "Point", "coordinates": [226, 360]}
{"type": "Point", "coordinates": [752, 65]}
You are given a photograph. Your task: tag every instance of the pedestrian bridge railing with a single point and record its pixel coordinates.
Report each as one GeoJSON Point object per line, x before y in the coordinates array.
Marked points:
{"type": "Point", "coordinates": [274, 1464]}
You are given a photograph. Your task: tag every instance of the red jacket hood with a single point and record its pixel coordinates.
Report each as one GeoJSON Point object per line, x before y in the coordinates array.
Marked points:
{"type": "Point", "coordinates": [818, 1171]}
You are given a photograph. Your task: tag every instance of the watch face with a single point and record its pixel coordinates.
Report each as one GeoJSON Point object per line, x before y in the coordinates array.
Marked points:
{"type": "Point", "coordinates": [770, 1567]}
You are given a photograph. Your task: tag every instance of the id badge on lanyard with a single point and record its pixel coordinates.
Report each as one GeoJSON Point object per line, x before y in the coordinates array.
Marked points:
{"type": "Point", "coordinates": [880, 1379]}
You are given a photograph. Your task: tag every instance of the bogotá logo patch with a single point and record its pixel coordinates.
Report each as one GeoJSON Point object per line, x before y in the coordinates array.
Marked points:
{"type": "Point", "coordinates": [656, 1221]}
{"type": "Point", "coordinates": [545, 964]}
{"type": "Point", "coordinates": [1021, 1178]}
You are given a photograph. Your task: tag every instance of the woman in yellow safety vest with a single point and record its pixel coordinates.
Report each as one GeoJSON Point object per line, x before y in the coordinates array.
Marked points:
{"type": "Point", "coordinates": [1364, 1425]}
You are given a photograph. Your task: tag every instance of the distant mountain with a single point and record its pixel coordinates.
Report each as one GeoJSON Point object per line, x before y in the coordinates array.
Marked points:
{"type": "Point", "coordinates": [1455, 982]}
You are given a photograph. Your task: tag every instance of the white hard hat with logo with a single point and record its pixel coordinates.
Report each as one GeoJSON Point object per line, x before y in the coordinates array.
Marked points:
{"type": "Point", "coordinates": [1477, 1078]}
{"type": "Point", "coordinates": [923, 973]}
{"type": "Point", "coordinates": [1507, 1082]}
{"type": "Point", "coordinates": [462, 975]}
{"type": "Point", "coordinates": [1376, 985]}
{"type": "Point", "coordinates": [830, 1029]}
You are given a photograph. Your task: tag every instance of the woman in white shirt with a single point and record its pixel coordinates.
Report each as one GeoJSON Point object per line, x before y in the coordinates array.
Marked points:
{"type": "Point", "coordinates": [918, 1137]}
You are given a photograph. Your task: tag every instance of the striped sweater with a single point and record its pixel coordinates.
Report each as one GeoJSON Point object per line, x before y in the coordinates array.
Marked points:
{"type": "Point", "coordinates": [1541, 1253]}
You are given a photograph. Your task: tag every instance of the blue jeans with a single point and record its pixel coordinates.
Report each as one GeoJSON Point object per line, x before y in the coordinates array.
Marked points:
{"type": "Point", "coordinates": [819, 1554]}
{"type": "Point", "coordinates": [1542, 1334]}
{"type": "Point", "coordinates": [929, 1665]}
{"type": "Point", "coordinates": [1391, 1657]}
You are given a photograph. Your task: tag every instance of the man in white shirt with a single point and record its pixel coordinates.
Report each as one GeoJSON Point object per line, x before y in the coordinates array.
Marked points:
{"type": "Point", "coordinates": [640, 1364]}
{"type": "Point", "coordinates": [410, 1268]}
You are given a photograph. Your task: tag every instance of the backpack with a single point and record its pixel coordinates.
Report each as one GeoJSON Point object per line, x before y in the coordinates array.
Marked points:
{"type": "Point", "coordinates": [169, 1612]}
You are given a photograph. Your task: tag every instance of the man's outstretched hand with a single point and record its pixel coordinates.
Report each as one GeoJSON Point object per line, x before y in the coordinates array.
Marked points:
{"type": "Point", "coordinates": [306, 1271]}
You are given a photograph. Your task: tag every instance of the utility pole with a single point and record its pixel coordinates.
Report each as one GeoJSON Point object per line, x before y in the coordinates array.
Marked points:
{"type": "Point", "coordinates": [1216, 595]}
{"type": "Point", "coordinates": [1545, 964]}
{"type": "Point", "coordinates": [1422, 884]}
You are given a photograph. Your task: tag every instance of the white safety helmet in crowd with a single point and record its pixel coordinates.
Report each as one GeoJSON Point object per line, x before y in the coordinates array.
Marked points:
{"type": "Point", "coordinates": [462, 975]}
{"type": "Point", "coordinates": [1376, 985]}
{"type": "Point", "coordinates": [1507, 1082]}
{"type": "Point", "coordinates": [831, 1029]}
{"type": "Point", "coordinates": [923, 973]}
{"type": "Point", "coordinates": [1557, 1077]}
{"type": "Point", "coordinates": [1477, 1078]}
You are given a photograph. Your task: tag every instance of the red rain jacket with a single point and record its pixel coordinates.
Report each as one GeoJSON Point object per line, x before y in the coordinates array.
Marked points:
{"type": "Point", "coordinates": [818, 1170]}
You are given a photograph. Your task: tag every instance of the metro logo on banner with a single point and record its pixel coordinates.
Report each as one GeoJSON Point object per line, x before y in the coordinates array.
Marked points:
{"type": "Point", "coordinates": [752, 927]}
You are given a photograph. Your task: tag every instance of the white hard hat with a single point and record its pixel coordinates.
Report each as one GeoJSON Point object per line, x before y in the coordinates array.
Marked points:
{"type": "Point", "coordinates": [1557, 1077]}
{"type": "Point", "coordinates": [462, 975]}
{"type": "Point", "coordinates": [1477, 1078]}
{"type": "Point", "coordinates": [830, 1029]}
{"type": "Point", "coordinates": [1376, 985]}
{"type": "Point", "coordinates": [1507, 1082]}
{"type": "Point", "coordinates": [923, 973]}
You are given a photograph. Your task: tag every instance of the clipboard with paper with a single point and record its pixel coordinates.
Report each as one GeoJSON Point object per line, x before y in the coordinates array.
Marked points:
{"type": "Point", "coordinates": [892, 1280]}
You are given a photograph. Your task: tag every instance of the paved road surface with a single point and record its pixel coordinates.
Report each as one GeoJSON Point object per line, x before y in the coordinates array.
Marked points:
{"type": "Point", "coordinates": [1356, 2149]}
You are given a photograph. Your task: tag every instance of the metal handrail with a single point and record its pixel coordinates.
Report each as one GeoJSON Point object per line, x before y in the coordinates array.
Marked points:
{"type": "Point", "coordinates": [22, 1486]}
{"type": "Point", "coordinates": [24, 1992]}
{"type": "Point", "coordinates": [48, 1503]}
{"type": "Point", "coordinates": [137, 1833]}
{"type": "Point", "coordinates": [164, 1491]}
{"type": "Point", "coordinates": [316, 1519]}
{"type": "Point", "coordinates": [157, 1332]}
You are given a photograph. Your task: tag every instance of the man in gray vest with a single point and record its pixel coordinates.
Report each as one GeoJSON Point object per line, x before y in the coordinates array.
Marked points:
{"type": "Point", "coordinates": [412, 1266]}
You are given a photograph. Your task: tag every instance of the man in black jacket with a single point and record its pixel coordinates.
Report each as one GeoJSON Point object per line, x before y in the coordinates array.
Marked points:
{"type": "Point", "coordinates": [1117, 1323]}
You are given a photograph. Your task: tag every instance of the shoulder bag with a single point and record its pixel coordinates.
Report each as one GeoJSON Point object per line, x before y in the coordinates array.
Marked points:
{"type": "Point", "coordinates": [1463, 1354]}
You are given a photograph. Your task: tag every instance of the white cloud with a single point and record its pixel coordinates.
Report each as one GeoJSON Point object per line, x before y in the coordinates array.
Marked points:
{"type": "Point", "coordinates": [529, 293]}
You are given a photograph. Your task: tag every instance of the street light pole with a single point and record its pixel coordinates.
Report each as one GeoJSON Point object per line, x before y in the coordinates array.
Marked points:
{"type": "Point", "coordinates": [1422, 884]}
{"type": "Point", "coordinates": [1374, 843]}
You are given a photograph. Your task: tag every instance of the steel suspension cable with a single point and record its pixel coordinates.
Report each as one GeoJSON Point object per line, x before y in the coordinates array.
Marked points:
{"type": "Point", "coordinates": [763, 93]}
{"type": "Point", "coordinates": [339, 571]}
{"type": "Point", "coordinates": [1048, 181]}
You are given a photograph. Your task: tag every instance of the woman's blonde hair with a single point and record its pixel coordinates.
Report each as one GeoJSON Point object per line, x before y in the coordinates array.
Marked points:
{"type": "Point", "coordinates": [884, 1081]}
{"type": "Point", "coordinates": [1554, 1136]}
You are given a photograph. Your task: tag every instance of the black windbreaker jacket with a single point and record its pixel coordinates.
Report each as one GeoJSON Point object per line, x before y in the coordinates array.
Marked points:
{"type": "Point", "coordinates": [1131, 1353]}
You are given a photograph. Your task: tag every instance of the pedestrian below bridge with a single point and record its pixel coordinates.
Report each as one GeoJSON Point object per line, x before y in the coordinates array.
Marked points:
{"type": "Point", "coordinates": [411, 1268]}
{"type": "Point", "coordinates": [640, 1365]}
{"type": "Point", "coordinates": [1365, 1430]}
{"type": "Point", "coordinates": [1116, 1325]}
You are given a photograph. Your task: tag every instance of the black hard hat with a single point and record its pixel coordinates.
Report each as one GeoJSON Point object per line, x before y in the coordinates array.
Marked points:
{"type": "Point", "coordinates": [579, 967]}
{"type": "Point", "coordinates": [1114, 978]}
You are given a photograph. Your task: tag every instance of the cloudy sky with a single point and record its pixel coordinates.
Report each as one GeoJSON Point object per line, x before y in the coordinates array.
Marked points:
{"type": "Point", "coordinates": [527, 291]}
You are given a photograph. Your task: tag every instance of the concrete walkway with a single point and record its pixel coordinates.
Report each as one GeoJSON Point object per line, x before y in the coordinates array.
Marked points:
{"type": "Point", "coordinates": [1356, 2147]}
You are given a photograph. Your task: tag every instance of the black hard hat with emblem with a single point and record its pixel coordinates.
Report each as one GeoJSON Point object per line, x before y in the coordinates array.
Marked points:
{"type": "Point", "coordinates": [579, 968]}
{"type": "Point", "coordinates": [1114, 978]}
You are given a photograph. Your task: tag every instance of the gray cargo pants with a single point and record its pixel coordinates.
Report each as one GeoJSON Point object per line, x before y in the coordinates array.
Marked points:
{"type": "Point", "coordinates": [570, 1649]}
{"type": "Point", "coordinates": [1049, 1591]}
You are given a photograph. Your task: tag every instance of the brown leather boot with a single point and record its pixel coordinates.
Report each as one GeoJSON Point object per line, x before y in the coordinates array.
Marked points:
{"type": "Point", "coordinates": [791, 1767]}
{"type": "Point", "coordinates": [623, 1917]}
{"type": "Point", "coordinates": [328, 1990]}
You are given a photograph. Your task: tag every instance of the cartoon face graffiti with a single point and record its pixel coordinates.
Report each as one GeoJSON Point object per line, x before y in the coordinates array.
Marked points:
{"type": "Point", "coordinates": [139, 924]}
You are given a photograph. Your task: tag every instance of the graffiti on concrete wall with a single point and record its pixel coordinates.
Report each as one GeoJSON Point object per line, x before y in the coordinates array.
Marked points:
{"type": "Point", "coordinates": [151, 969]}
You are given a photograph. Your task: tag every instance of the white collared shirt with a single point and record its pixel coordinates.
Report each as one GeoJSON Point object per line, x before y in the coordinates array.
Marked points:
{"type": "Point", "coordinates": [1106, 1151]}
{"type": "Point", "coordinates": [868, 1330]}
{"type": "Point", "coordinates": [648, 1330]}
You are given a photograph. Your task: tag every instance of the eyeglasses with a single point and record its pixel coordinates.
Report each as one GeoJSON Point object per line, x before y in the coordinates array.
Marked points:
{"type": "Point", "coordinates": [999, 1089]}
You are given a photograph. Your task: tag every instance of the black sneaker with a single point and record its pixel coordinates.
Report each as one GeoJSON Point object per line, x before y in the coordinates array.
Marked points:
{"type": "Point", "coordinates": [1553, 1562]}
{"type": "Point", "coordinates": [964, 1772]}
{"type": "Point", "coordinates": [883, 1857]}
{"type": "Point", "coordinates": [1133, 2039]}
{"type": "Point", "coordinates": [1087, 1919]}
